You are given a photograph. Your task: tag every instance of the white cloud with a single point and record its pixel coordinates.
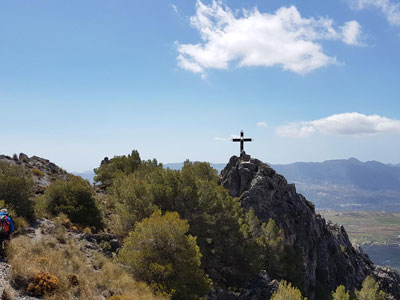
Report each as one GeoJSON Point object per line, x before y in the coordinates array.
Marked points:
{"type": "Point", "coordinates": [351, 32]}
{"type": "Point", "coordinates": [262, 124]}
{"type": "Point", "coordinates": [283, 38]}
{"type": "Point", "coordinates": [342, 124]}
{"type": "Point", "coordinates": [389, 9]}
{"type": "Point", "coordinates": [175, 8]}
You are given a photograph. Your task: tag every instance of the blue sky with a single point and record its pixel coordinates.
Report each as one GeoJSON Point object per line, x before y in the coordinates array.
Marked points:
{"type": "Point", "coordinates": [308, 80]}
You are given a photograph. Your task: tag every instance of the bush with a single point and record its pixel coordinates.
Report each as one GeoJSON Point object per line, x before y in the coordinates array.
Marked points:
{"type": "Point", "coordinates": [161, 253]}
{"type": "Point", "coordinates": [370, 290]}
{"type": "Point", "coordinates": [16, 185]}
{"type": "Point", "coordinates": [74, 197]}
{"type": "Point", "coordinates": [119, 164]}
{"type": "Point", "coordinates": [133, 202]}
{"type": "Point", "coordinates": [341, 293]}
{"type": "Point", "coordinates": [37, 172]}
{"type": "Point", "coordinates": [287, 292]}
{"type": "Point", "coordinates": [20, 224]}
{"type": "Point", "coordinates": [42, 283]}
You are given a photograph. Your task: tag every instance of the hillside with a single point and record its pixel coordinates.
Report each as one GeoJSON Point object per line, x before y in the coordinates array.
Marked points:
{"type": "Point", "coordinates": [188, 234]}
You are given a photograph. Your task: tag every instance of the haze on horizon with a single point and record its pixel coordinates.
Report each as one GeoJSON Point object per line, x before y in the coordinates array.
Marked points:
{"type": "Point", "coordinates": [177, 79]}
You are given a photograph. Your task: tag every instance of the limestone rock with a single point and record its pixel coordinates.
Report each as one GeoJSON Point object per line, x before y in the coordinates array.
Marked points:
{"type": "Point", "coordinates": [329, 259]}
{"type": "Point", "coordinates": [43, 171]}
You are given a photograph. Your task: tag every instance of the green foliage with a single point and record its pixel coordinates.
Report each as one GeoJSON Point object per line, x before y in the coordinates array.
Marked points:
{"type": "Point", "coordinates": [201, 170]}
{"type": "Point", "coordinates": [341, 293]}
{"type": "Point", "coordinates": [370, 290]}
{"type": "Point", "coordinates": [287, 292]}
{"type": "Point", "coordinates": [41, 206]}
{"type": "Point", "coordinates": [213, 215]}
{"type": "Point", "coordinates": [74, 197]}
{"type": "Point", "coordinates": [235, 245]}
{"type": "Point", "coordinates": [266, 245]}
{"type": "Point", "coordinates": [133, 201]}
{"type": "Point", "coordinates": [16, 185]}
{"type": "Point", "coordinates": [270, 243]}
{"type": "Point", "coordinates": [121, 165]}
{"type": "Point", "coordinates": [162, 253]}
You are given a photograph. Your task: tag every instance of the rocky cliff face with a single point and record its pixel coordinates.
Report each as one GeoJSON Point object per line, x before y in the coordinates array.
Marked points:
{"type": "Point", "coordinates": [329, 259]}
{"type": "Point", "coordinates": [43, 171]}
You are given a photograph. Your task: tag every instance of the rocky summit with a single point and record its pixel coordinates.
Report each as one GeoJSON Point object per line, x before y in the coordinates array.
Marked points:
{"type": "Point", "coordinates": [43, 170]}
{"type": "Point", "coordinates": [328, 257]}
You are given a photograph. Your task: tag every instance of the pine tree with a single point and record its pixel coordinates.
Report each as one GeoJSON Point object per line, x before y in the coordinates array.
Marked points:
{"type": "Point", "coordinates": [370, 290]}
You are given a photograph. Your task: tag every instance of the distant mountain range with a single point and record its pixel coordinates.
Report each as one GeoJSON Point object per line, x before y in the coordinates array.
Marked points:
{"type": "Point", "coordinates": [346, 184]}
{"type": "Point", "coordinates": [342, 184]}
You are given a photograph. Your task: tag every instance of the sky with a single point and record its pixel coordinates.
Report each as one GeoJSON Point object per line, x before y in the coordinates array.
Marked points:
{"type": "Point", "coordinates": [177, 79]}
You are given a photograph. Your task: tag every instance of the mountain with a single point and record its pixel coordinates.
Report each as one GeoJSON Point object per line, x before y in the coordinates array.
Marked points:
{"type": "Point", "coordinates": [327, 256]}
{"type": "Point", "coordinates": [88, 175]}
{"type": "Point", "coordinates": [346, 184]}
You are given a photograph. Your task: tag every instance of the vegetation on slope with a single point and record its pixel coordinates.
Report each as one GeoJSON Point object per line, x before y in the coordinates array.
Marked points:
{"type": "Point", "coordinates": [161, 253]}
{"type": "Point", "coordinates": [16, 185]}
{"type": "Point", "coordinates": [72, 274]}
{"type": "Point", "coordinates": [182, 233]}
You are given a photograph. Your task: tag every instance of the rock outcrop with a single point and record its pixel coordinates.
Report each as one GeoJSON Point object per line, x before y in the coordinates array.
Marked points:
{"type": "Point", "coordinates": [43, 171]}
{"type": "Point", "coordinates": [329, 259]}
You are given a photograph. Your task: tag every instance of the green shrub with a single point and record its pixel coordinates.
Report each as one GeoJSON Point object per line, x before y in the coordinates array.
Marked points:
{"type": "Point", "coordinates": [133, 201]}
{"type": "Point", "coordinates": [119, 164]}
{"type": "Point", "coordinates": [341, 293]}
{"type": "Point", "coordinates": [16, 185]}
{"type": "Point", "coordinates": [162, 253]}
{"type": "Point", "coordinates": [287, 292]}
{"type": "Point", "coordinates": [41, 206]}
{"type": "Point", "coordinates": [74, 197]}
{"type": "Point", "coordinates": [370, 290]}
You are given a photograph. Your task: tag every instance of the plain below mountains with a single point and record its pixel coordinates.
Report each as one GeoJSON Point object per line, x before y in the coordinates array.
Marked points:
{"type": "Point", "coordinates": [342, 184]}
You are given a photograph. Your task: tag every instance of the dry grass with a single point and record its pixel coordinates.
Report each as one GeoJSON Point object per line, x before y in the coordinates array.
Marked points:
{"type": "Point", "coordinates": [79, 277]}
{"type": "Point", "coordinates": [37, 172]}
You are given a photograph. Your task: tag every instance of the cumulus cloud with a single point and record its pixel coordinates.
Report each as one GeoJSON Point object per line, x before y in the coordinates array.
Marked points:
{"type": "Point", "coordinates": [251, 38]}
{"type": "Point", "coordinates": [342, 124]}
{"type": "Point", "coordinates": [262, 124]}
{"type": "Point", "coordinates": [352, 33]}
{"type": "Point", "coordinates": [389, 9]}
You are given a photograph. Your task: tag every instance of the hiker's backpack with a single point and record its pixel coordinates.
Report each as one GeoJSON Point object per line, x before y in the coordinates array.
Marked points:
{"type": "Point", "coordinates": [4, 224]}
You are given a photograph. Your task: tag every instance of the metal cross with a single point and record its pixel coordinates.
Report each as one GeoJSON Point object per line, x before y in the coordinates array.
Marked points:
{"type": "Point", "coordinates": [242, 139]}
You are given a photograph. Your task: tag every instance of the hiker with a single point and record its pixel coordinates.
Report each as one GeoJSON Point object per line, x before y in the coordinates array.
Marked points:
{"type": "Point", "coordinates": [6, 228]}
